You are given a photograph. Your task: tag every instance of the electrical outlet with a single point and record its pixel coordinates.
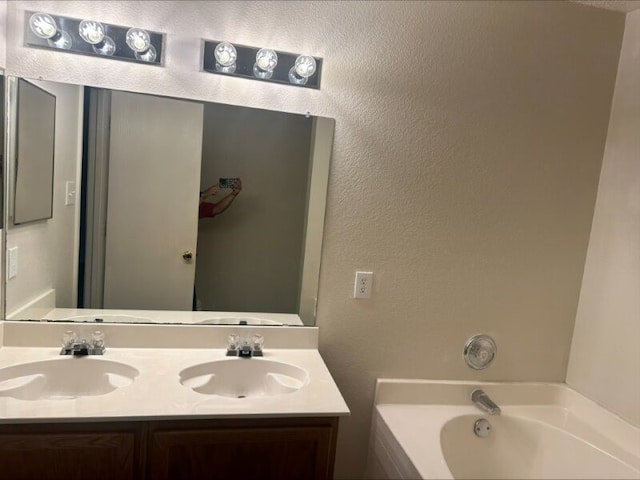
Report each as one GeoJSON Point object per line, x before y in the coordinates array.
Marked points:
{"type": "Point", "coordinates": [363, 284]}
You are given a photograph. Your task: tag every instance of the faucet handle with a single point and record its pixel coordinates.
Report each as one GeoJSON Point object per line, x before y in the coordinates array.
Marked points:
{"type": "Point", "coordinates": [69, 338]}
{"type": "Point", "coordinates": [257, 342]}
{"type": "Point", "coordinates": [233, 343]}
{"type": "Point", "coordinates": [97, 339]}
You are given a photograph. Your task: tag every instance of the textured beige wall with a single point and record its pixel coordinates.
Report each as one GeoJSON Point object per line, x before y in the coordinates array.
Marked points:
{"type": "Point", "coordinates": [468, 144]}
{"type": "Point", "coordinates": [605, 353]}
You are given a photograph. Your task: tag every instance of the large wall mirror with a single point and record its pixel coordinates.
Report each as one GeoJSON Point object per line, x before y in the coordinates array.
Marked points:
{"type": "Point", "coordinates": [170, 210]}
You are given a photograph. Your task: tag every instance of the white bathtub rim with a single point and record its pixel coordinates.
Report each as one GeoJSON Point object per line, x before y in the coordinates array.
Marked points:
{"type": "Point", "coordinates": [552, 404]}
{"type": "Point", "coordinates": [458, 392]}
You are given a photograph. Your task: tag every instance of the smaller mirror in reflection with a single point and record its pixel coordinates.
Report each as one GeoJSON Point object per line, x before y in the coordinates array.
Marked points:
{"type": "Point", "coordinates": [33, 195]}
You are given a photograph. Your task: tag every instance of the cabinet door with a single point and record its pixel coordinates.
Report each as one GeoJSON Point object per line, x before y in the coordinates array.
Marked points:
{"type": "Point", "coordinates": [286, 453]}
{"type": "Point", "coordinates": [64, 452]}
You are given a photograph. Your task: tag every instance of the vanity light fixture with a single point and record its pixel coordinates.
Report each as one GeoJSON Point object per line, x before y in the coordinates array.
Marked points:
{"type": "Point", "coordinates": [90, 37]}
{"type": "Point", "coordinates": [226, 55]}
{"type": "Point", "coordinates": [264, 64]}
{"type": "Point", "coordinates": [43, 26]}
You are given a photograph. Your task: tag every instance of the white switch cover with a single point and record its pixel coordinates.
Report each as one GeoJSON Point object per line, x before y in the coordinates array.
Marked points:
{"type": "Point", "coordinates": [70, 195]}
{"type": "Point", "coordinates": [12, 271]}
{"type": "Point", "coordinates": [363, 284]}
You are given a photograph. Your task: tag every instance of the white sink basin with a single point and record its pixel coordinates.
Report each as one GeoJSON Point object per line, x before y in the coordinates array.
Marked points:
{"type": "Point", "coordinates": [241, 378]}
{"type": "Point", "coordinates": [64, 378]}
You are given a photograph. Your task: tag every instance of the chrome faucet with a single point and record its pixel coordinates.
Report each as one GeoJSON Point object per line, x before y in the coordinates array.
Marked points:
{"type": "Point", "coordinates": [72, 346]}
{"type": "Point", "coordinates": [483, 402]}
{"type": "Point", "coordinates": [245, 348]}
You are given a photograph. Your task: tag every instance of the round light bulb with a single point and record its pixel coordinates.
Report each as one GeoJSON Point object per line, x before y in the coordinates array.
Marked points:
{"type": "Point", "coordinates": [266, 59]}
{"type": "Point", "coordinates": [43, 25]}
{"type": "Point", "coordinates": [225, 54]}
{"type": "Point", "coordinates": [305, 66]}
{"type": "Point", "coordinates": [91, 32]}
{"type": "Point", "coordinates": [138, 40]}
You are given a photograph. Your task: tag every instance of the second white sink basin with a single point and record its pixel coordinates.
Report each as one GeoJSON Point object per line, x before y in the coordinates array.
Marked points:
{"type": "Point", "coordinates": [64, 378]}
{"type": "Point", "coordinates": [241, 378]}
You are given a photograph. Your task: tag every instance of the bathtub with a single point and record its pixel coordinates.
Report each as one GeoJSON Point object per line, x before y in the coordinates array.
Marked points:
{"type": "Point", "coordinates": [425, 429]}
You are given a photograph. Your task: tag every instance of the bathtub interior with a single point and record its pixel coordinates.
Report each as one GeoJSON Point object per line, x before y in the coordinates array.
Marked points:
{"type": "Point", "coordinates": [518, 447]}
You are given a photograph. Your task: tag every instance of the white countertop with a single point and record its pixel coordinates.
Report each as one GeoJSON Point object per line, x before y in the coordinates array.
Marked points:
{"type": "Point", "coordinates": [157, 393]}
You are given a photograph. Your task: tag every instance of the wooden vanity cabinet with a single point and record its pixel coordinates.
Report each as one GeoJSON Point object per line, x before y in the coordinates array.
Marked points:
{"type": "Point", "coordinates": [71, 451]}
{"type": "Point", "coordinates": [267, 448]}
{"type": "Point", "coordinates": [273, 449]}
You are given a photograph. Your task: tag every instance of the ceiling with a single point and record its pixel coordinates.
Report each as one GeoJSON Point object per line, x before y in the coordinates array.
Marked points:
{"type": "Point", "coordinates": [617, 5]}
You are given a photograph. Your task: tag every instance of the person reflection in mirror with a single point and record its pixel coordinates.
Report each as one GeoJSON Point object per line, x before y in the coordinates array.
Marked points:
{"type": "Point", "coordinates": [211, 209]}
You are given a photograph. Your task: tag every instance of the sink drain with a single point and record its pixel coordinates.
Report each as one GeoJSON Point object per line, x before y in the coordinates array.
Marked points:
{"type": "Point", "coordinates": [241, 396]}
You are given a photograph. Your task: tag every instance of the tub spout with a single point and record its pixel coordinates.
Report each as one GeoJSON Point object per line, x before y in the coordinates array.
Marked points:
{"type": "Point", "coordinates": [483, 402]}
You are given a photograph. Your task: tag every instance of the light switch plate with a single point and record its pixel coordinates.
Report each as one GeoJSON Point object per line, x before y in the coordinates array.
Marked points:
{"type": "Point", "coordinates": [12, 269]}
{"type": "Point", "coordinates": [70, 193]}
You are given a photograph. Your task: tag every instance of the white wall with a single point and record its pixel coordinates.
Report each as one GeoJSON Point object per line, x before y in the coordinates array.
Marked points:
{"type": "Point", "coordinates": [47, 249]}
{"type": "Point", "coordinates": [468, 145]}
{"type": "Point", "coordinates": [605, 353]}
